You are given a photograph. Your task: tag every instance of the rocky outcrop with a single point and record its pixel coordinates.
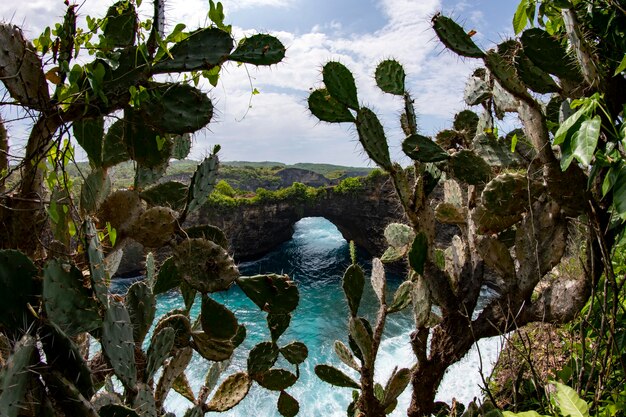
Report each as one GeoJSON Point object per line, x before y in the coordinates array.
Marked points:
{"type": "Point", "coordinates": [360, 215]}
{"type": "Point", "coordinates": [290, 175]}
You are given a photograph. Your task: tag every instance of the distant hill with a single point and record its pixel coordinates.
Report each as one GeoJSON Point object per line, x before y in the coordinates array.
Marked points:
{"type": "Point", "coordinates": [242, 175]}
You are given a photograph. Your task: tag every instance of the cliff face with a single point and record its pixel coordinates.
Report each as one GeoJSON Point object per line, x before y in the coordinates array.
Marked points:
{"type": "Point", "coordinates": [360, 215]}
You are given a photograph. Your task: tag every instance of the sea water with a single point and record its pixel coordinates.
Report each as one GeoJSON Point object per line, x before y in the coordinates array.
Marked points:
{"type": "Point", "coordinates": [315, 258]}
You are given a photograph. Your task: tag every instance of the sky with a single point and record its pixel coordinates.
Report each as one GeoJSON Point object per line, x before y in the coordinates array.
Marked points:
{"type": "Point", "coordinates": [276, 125]}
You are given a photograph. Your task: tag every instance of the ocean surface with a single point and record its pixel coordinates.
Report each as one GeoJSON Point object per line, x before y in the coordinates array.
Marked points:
{"type": "Point", "coordinates": [315, 258]}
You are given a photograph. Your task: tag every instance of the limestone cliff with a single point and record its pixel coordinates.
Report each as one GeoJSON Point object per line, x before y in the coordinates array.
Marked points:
{"type": "Point", "coordinates": [360, 215]}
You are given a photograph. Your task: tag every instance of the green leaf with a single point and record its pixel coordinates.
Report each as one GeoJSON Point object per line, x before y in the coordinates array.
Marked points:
{"type": "Point", "coordinates": [621, 67]}
{"type": "Point", "coordinates": [587, 106]}
{"type": "Point", "coordinates": [513, 143]}
{"type": "Point", "coordinates": [522, 414]}
{"type": "Point", "coordinates": [584, 141]}
{"type": "Point", "coordinates": [520, 19]}
{"type": "Point", "coordinates": [569, 403]}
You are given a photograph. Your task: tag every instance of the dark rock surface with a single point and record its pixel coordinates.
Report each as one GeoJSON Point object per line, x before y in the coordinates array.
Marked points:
{"type": "Point", "coordinates": [255, 229]}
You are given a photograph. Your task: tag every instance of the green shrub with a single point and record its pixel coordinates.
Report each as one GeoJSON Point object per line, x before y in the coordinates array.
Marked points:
{"type": "Point", "coordinates": [224, 188]}
{"type": "Point", "coordinates": [350, 185]}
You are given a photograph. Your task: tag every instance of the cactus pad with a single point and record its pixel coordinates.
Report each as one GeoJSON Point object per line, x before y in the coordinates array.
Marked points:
{"type": "Point", "coordinates": [113, 147]}
{"type": "Point", "coordinates": [172, 194]}
{"type": "Point", "coordinates": [276, 379]}
{"type": "Point", "coordinates": [390, 77]}
{"type": "Point", "coordinates": [168, 277]}
{"type": "Point", "coordinates": [118, 344]}
{"type": "Point", "coordinates": [466, 121]}
{"type": "Point", "coordinates": [345, 355]}
{"type": "Point", "coordinates": [159, 350]}
{"type": "Point", "coordinates": [295, 352]}
{"type": "Point", "coordinates": [18, 288]}
{"type": "Point", "coordinates": [287, 405]}
{"type": "Point", "coordinates": [141, 306]}
{"type": "Point", "coordinates": [547, 53]}
{"type": "Point", "coordinates": [507, 194]}
{"type": "Point", "coordinates": [401, 298]}
{"type": "Point", "coordinates": [230, 392]}
{"type": "Point", "coordinates": [202, 50]}
{"type": "Point", "coordinates": [452, 35]}
{"type": "Point", "coordinates": [68, 303]}
{"type": "Point", "coordinates": [477, 91]}
{"type": "Point", "coordinates": [470, 168]}
{"type": "Point", "coordinates": [218, 322]}
{"type": "Point", "coordinates": [339, 82]}
{"type": "Point", "coordinates": [20, 69]}
{"type": "Point", "coordinates": [180, 323]}
{"type": "Point", "coordinates": [212, 349]}
{"type": "Point", "coordinates": [420, 297]}
{"type": "Point", "coordinates": [353, 284]}
{"type": "Point", "coordinates": [262, 357]}
{"type": "Point", "coordinates": [63, 354]}
{"type": "Point", "coordinates": [335, 377]}
{"type": "Point", "coordinates": [15, 375]}
{"type": "Point", "coordinates": [209, 232]}
{"type": "Point", "coordinates": [419, 253]}
{"type": "Point", "coordinates": [89, 134]}
{"type": "Point", "coordinates": [533, 76]}
{"type": "Point", "coordinates": [327, 108]}
{"type": "Point", "coordinates": [259, 49]}
{"type": "Point", "coordinates": [275, 294]}
{"type": "Point", "coordinates": [121, 209]}
{"type": "Point", "coordinates": [506, 75]}
{"type": "Point", "coordinates": [181, 146]}
{"type": "Point", "coordinates": [174, 367]}
{"type": "Point", "coordinates": [423, 149]}
{"type": "Point", "coordinates": [144, 403]}
{"type": "Point", "coordinates": [176, 108]}
{"type": "Point", "coordinates": [94, 191]}
{"type": "Point", "coordinates": [121, 25]}
{"type": "Point", "coordinates": [488, 222]}
{"type": "Point", "coordinates": [372, 137]}
{"type": "Point", "coordinates": [361, 335]}
{"type": "Point", "coordinates": [202, 183]}
{"type": "Point", "coordinates": [447, 213]}
{"type": "Point", "coordinates": [397, 383]}
{"type": "Point", "coordinates": [378, 280]}
{"type": "Point", "coordinates": [399, 235]}
{"type": "Point", "coordinates": [277, 324]}
{"type": "Point", "coordinates": [204, 265]}
{"type": "Point", "coordinates": [155, 227]}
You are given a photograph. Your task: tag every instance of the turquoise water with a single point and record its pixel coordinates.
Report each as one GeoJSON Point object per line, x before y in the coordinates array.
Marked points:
{"type": "Point", "coordinates": [315, 259]}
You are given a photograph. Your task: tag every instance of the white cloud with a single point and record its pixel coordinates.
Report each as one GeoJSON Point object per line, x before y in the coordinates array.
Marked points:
{"type": "Point", "coordinates": [279, 126]}
{"type": "Point", "coordinates": [234, 5]}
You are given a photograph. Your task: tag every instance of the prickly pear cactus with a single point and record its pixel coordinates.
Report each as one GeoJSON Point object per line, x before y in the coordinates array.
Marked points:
{"type": "Point", "coordinates": [204, 265]}
{"type": "Point", "coordinates": [155, 227]}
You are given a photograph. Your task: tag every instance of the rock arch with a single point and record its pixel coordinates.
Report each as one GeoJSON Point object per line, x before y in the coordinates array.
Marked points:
{"type": "Point", "coordinates": [360, 215]}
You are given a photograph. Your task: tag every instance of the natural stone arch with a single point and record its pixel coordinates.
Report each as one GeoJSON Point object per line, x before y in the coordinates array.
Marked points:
{"type": "Point", "coordinates": [360, 216]}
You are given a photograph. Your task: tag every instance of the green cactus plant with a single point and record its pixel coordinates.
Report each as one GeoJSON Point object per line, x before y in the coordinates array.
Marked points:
{"type": "Point", "coordinates": [155, 227]}
{"type": "Point", "coordinates": [452, 35]}
{"type": "Point", "coordinates": [15, 376]}
{"type": "Point", "coordinates": [67, 302]}
{"type": "Point", "coordinates": [204, 265]}
{"type": "Point", "coordinates": [141, 305]}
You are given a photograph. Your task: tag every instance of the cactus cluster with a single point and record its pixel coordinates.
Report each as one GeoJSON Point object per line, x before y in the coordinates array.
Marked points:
{"type": "Point", "coordinates": [53, 314]}
{"type": "Point", "coordinates": [494, 189]}
{"type": "Point", "coordinates": [363, 344]}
